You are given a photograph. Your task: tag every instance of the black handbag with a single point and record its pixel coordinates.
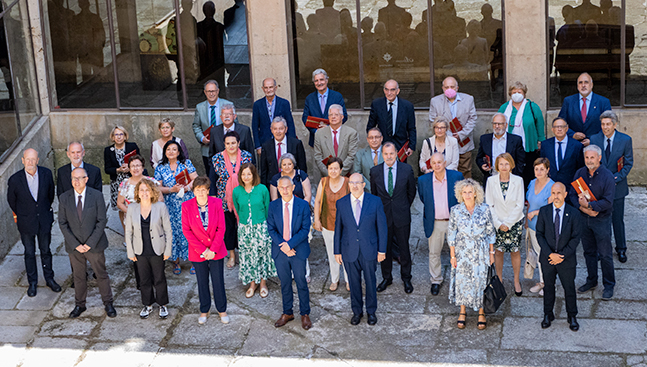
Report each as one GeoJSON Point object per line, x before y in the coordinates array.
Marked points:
{"type": "Point", "coordinates": [494, 293]}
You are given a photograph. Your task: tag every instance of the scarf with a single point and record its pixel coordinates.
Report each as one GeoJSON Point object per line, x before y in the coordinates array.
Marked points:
{"type": "Point", "coordinates": [232, 182]}
{"type": "Point", "coordinates": [517, 127]}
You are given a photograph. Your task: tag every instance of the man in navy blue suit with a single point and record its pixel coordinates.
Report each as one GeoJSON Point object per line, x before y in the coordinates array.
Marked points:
{"type": "Point", "coordinates": [264, 112]}
{"type": "Point", "coordinates": [288, 223]}
{"type": "Point", "coordinates": [582, 111]}
{"type": "Point", "coordinates": [394, 117]}
{"type": "Point", "coordinates": [75, 152]}
{"type": "Point", "coordinates": [498, 142]}
{"type": "Point", "coordinates": [275, 147]}
{"type": "Point", "coordinates": [360, 242]}
{"type": "Point", "coordinates": [564, 153]}
{"type": "Point", "coordinates": [618, 157]}
{"type": "Point", "coordinates": [317, 103]}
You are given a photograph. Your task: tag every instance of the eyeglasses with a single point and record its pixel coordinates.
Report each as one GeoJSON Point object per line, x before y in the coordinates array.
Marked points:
{"type": "Point", "coordinates": [356, 182]}
{"type": "Point", "coordinates": [559, 127]}
{"type": "Point", "coordinates": [440, 127]}
{"type": "Point", "coordinates": [136, 166]}
{"type": "Point", "coordinates": [120, 134]}
{"type": "Point", "coordinates": [499, 123]}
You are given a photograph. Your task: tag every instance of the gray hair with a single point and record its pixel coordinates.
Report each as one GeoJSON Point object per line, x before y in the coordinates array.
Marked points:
{"type": "Point", "coordinates": [440, 119]}
{"type": "Point", "coordinates": [211, 81]}
{"type": "Point", "coordinates": [500, 114]}
{"type": "Point", "coordinates": [336, 107]}
{"type": "Point", "coordinates": [478, 190]}
{"type": "Point", "coordinates": [75, 142]}
{"type": "Point", "coordinates": [284, 178]}
{"type": "Point", "coordinates": [389, 144]}
{"type": "Point", "coordinates": [289, 156]}
{"type": "Point", "coordinates": [609, 115]}
{"type": "Point", "coordinates": [594, 148]}
{"type": "Point", "coordinates": [375, 129]}
{"type": "Point", "coordinates": [317, 72]}
{"type": "Point", "coordinates": [228, 106]}
{"type": "Point", "coordinates": [280, 119]}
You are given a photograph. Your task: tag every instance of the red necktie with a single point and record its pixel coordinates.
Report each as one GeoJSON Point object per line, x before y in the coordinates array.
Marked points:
{"type": "Point", "coordinates": [286, 223]}
{"type": "Point", "coordinates": [278, 159]}
{"type": "Point", "coordinates": [335, 144]}
{"type": "Point", "coordinates": [583, 110]}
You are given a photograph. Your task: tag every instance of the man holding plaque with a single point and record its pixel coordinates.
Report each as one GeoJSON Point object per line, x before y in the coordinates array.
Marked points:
{"type": "Point", "coordinates": [617, 156]}
{"type": "Point", "coordinates": [459, 109]}
{"type": "Point", "coordinates": [593, 189]}
{"type": "Point", "coordinates": [317, 105]}
{"type": "Point", "coordinates": [496, 143]}
{"type": "Point", "coordinates": [336, 141]}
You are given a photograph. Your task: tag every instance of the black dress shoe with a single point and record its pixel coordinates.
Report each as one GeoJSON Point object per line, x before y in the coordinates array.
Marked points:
{"type": "Point", "coordinates": [53, 285]}
{"type": "Point", "coordinates": [586, 287]}
{"type": "Point", "coordinates": [110, 310]}
{"type": "Point", "coordinates": [572, 323]}
{"type": "Point", "coordinates": [72, 284]}
{"type": "Point", "coordinates": [408, 287]}
{"type": "Point", "coordinates": [77, 311]}
{"type": "Point", "coordinates": [32, 290]}
{"type": "Point", "coordinates": [385, 283]}
{"type": "Point", "coordinates": [356, 319]}
{"type": "Point", "coordinates": [622, 256]}
{"type": "Point", "coordinates": [372, 319]}
{"type": "Point", "coordinates": [547, 320]}
{"type": "Point", "coordinates": [435, 289]}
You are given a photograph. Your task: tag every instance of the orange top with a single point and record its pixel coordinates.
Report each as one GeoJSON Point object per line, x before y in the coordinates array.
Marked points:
{"type": "Point", "coordinates": [328, 207]}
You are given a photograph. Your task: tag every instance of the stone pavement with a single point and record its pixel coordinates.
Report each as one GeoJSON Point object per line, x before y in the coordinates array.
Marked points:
{"type": "Point", "coordinates": [412, 330]}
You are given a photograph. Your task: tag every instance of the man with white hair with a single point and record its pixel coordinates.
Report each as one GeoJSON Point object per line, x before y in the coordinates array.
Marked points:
{"type": "Point", "coordinates": [274, 148]}
{"type": "Point", "coordinates": [265, 110]}
{"type": "Point", "coordinates": [228, 117]}
{"type": "Point", "coordinates": [318, 103]}
{"type": "Point", "coordinates": [337, 141]}
{"type": "Point", "coordinates": [76, 152]}
{"type": "Point", "coordinates": [499, 141]}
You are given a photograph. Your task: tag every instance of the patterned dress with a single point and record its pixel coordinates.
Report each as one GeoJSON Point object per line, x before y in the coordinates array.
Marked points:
{"type": "Point", "coordinates": [471, 236]}
{"type": "Point", "coordinates": [128, 191]}
{"type": "Point", "coordinates": [254, 242]}
{"type": "Point", "coordinates": [508, 241]}
{"type": "Point", "coordinates": [164, 174]}
{"type": "Point", "coordinates": [218, 162]}
{"type": "Point", "coordinates": [114, 185]}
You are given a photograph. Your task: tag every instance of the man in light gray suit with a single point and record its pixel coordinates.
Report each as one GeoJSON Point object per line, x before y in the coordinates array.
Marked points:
{"type": "Point", "coordinates": [82, 219]}
{"type": "Point", "coordinates": [337, 141]}
{"type": "Point", "coordinates": [452, 104]}
{"type": "Point", "coordinates": [369, 157]}
{"type": "Point", "coordinates": [207, 114]}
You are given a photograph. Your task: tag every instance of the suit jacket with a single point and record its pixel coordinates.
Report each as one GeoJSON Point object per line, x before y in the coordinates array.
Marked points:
{"type": "Point", "coordinates": [370, 236]}
{"type": "Point", "coordinates": [405, 122]}
{"type": "Point", "coordinates": [465, 112]}
{"type": "Point", "coordinates": [201, 122]}
{"type": "Point", "coordinates": [426, 193]}
{"type": "Point", "coordinates": [33, 216]}
{"type": "Point", "coordinates": [348, 145]}
{"type": "Point", "coordinates": [572, 114]}
{"type": "Point", "coordinates": [514, 146]}
{"type": "Point", "coordinates": [261, 122]}
{"type": "Point", "coordinates": [270, 165]}
{"type": "Point", "coordinates": [87, 231]}
{"type": "Point", "coordinates": [508, 210]}
{"type": "Point", "coordinates": [573, 160]}
{"type": "Point", "coordinates": [312, 108]}
{"type": "Point", "coordinates": [397, 207]}
{"type": "Point", "coordinates": [621, 147]}
{"type": "Point", "coordinates": [569, 235]}
{"type": "Point", "coordinates": [300, 227]}
{"type": "Point", "coordinates": [200, 239]}
{"type": "Point", "coordinates": [217, 143]}
{"type": "Point", "coordinates": [64, 178]}
{"type": "Point", "coordinates": [160, 230]}
{"type": "Point", "coordinates": [363, 163]}
{"type": "Point", "coordinates": [110, 162]}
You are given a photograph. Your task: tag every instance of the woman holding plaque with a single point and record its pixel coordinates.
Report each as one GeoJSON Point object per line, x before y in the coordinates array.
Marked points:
{"type": "Point", "coordinates": [116, 159]}
{"type": "Point", "coordinates": [172, 168]}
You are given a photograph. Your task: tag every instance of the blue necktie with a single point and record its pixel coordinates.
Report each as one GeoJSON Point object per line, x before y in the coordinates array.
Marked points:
{"type": "Point", "coordinates": [212, 118]}
{"type": "Point", "coordinates": [557, 227]}
{"type": "Point", "coordinates": [560, 158]}
{"type": "Point", "coordinates": [607, 151]}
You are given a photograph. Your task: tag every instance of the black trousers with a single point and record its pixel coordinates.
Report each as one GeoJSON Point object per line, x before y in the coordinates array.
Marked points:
{"type": "Point", "coordinates": [355, 270]}
{"type": "Point", "coordinates": [152, 277]}
{"type": "Point", "coordinates": [401, 237]}
{"type": "Point", "coordinates": [231, 231]}
{"type": "Point", "coordinates": [80, 269]}
{"type": "Point", "coordinates": [528, 172]}
{"type": "Point", "coordinates": [213, 268]}
{"type": "Point", "coordinates": [207, 164]}
{"type": "Point", "coordinates": [618, 222]}
{"type": "Point", "coordinates": [29, 242]}
{"type": "Point", "coordinates": [567, 277]}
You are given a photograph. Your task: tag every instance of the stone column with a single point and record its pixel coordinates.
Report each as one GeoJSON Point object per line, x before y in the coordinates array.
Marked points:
{"type": "Point", "coordinates": [33, 8]}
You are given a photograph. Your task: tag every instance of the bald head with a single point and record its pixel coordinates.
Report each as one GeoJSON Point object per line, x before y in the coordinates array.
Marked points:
{"type": "Point", "coordinates": [450, 81]}
{"type": "Point", "coordinates": [438, 165]}
{"type": "Point", "coordinates": [30, 160]}
{"type": "Point", "coordinates": [558, 193]}
{"type": "Point", "coordinates": [391, 90]}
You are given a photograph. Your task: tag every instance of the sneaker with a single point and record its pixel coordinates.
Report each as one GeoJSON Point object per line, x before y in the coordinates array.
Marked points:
{"type": "Point", "coordinates": [541, 292]}
{"type": "Point", "coordinates": [146, 311]}
{"type": "Point", "coordinates": [163, 312]}
{"type": "Point", "coordinates": [537, 287]}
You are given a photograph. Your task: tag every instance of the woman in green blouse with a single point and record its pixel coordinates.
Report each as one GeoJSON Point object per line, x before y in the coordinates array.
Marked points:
{"type": "Point", "coordinates": [251, 200]}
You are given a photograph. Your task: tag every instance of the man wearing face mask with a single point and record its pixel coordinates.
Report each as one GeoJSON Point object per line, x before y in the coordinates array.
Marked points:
{"type": "Point", "coordinates": [496, 143]}
{"type": "Point", "coordinates": [459, 106]}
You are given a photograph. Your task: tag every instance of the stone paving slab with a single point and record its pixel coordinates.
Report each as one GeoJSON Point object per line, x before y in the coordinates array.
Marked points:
{"type": "Point", "coordinates": [62, 272]}
{"type": "Point", "coordinates": [44, 300]}
{"type": "Point", "coordinates": [11, 270]}
{"type": "Point", "coordinates": [213, 333]}
{"type": "Point", "coordinates": [62, 351]}
{"type": "Point", "coordinates": [22, 318]}
{"type": "Point", "coordinates": [627, 310]}
{"type": "Point", "coordinates": [152, 329]}
{"type": "Point", "coordinates": [10, 296]}
{"type": "Point", "coordinates": [551, 358]}
{"type": "Point", "coordinates": [135, 353]}
{"type": "Point", "coordinates": [16, 334]}
{"type": "Point", "coordinates": [68, 327]}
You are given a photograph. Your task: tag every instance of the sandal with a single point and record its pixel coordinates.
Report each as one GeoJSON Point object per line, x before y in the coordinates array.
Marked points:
{"type": "Point", "coordinates": [333, 286]}
{"type": "Point", "coordinates": [250, 292]}
{"type": "Point", "coordinates": [177, 270]}
{"type": "Point", "coordinates": [231, 263]}
{"type": "Point", "coordinates": [481, 325]}
{"type": "Point", "coordinates": [192, 271]}
{"type": "Point", "coordinates": [264, 292]}
{"type": "Point", "coordinates": [461, 323]}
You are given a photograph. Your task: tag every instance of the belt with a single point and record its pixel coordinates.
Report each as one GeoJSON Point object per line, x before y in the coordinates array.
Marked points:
{"type": "Point", "coordinates": [442, 220]}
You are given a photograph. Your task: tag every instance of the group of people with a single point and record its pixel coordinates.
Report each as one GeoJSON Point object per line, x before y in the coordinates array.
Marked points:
{"type": "Point", "coordinates": [261, 218]}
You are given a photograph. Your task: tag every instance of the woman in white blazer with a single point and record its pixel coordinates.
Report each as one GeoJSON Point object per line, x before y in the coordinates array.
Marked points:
{"type": "Point", "coordinates": [504, 194]}
{"type": "Point", "coordinates": [149, 241]}
{"type": "Point", "coordinates": [441, 142]}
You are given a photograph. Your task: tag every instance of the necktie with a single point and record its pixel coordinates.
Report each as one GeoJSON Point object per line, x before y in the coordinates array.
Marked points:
{"type": "Point", "coordinates": [212, 118]}
{"type": "Point", "coordinates": [560, 158]}
{"type": "Point", "coordinates": [334, 142]}
{"type": "Point", "coordinates": [79, 208]}
{"type": "Point", "coordinates": [389, 122]}
{"type": "Point", "coordinates": [375, 157]}
{"type": "Point", "coordinates": [583, 110]}
{"type": "Point", "coordinates": [286, 223]}
{"type": "Point", "coordinates": [269, 111]}
{"type": "Point", "coordinates": [390, 181]}
{"type": "Point", "coordinates": [358, 211]}
{"type": "Point", "coordinates": [278, 159]}
{"type": "Point", "coordinates": [322, 103]}
{"type": "Point", "coordinates": [607, 151]}
{"type": "Point", "coordinates": [557, 227]}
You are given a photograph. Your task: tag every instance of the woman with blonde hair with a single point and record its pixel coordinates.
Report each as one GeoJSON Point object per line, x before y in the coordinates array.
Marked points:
{"type": "Point", "coordinates": [441, 142]}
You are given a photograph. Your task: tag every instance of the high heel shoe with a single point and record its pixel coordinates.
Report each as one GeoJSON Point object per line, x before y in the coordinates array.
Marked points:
{"type": "Point", "coordinates": [481, 325]}
{"type": "Point", "coordinates": [461, 323]}
{"type": "Point", "coordinates": [518, 294]}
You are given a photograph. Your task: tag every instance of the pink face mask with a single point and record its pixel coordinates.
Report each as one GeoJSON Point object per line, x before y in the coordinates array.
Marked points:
{"type": "Point", "coordinates": [450, 93]}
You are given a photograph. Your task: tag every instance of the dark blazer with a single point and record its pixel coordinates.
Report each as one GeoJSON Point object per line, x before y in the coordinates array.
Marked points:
{"type": "Point", "coordinates": [569, 235]}
{"type": "Point", "coordinates": [397, 207]}
{"type": "Point", "coordinates": [270, 165]}
{"type": "Point", "coordinates": [572, 114]}
{"type": "Point", "coordinates": [261, 123]}
{"type": "Point", "coordinates": [312, 108]}
{"type": "Point", "coordinates": [64, 178]}
{"type": "Point", "coordinates": [514, 146]}
{"type": "Point", "coordinates": [110, 159]}
{"type": "Point", "coordinates": [89, 231]}
{"type": "Point", "coordinates": [217, 143]}
{"type": "Point", "coordinates": [405, 122]}
{"type": "Point", "coordinates": [300, 227]}
{"type": "Point", "coordinates": [621, 147]}
{"type": "Point", "coordinates": [33, 216]}
{"type": "Point", "coordinates": [426, 192]}
{"type": "Point", "coordinates": [573, 160]}
{"type": "Point", "coordinates": [370, 236]}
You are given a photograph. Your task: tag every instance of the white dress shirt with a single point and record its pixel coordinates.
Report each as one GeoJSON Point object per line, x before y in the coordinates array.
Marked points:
{"type": "Point", "coordinates": [231, 128]}
{"type": "Point", "coordinates": [498, 145]}
{"type": "Point", "coordinates": [561, 217]}
{"type": "Point", "coordinates": [395, 111]}
{"type": "Point", "coordinates": [284, 148]}
{"type": "Point", "coordinates": [32, 183]}
{"type": "Point", "coordinates": [606, 141]}
{"type": "Point", "coordinates": [335, 136]}
{"type": "Point", "coordinates": [76, 197]}
{"type": "Point", "coordinates": [588, 102]}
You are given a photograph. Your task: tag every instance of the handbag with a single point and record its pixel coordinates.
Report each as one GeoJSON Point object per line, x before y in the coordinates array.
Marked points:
{"type": "Point", "coordinates": [531, 259]}
{"type": "Point", "coordinates": [494, 293]}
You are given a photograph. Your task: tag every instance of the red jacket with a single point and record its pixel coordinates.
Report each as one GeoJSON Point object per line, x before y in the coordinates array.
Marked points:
{"type": "Point", "coordinates": [199, 239]}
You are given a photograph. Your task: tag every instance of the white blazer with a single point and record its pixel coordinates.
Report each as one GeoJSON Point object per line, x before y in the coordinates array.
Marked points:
{"type": "Point", "coordinates": [451, 152]}
{"type": "Point", "coordinates": [506, 211]}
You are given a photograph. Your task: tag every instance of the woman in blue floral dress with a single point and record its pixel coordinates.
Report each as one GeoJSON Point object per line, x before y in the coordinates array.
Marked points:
{"type": "Point", "coordinates": [173, 162]}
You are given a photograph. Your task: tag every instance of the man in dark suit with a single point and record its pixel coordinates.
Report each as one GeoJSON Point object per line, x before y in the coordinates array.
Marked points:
{"type": "Point", "coordinates": [499, 142]}
{"type": "Point", "coordinates": [394, 183]}
{"type": "Point", "coordinates": [228, 118]}
{"type": "Point", "coordinates": [582, 111]}
{"type": "Point", "coordinates": [360, 242]}
{"type": "Point", "coordinates": [76, 152]}
{"type": "Point", "coordinates": [394, 117]}
{"type": "Point", "coordinates": [275, 147]}
{"type": "Point", "coordinates": [317, 103]}
{"type": "Point", "coordinates": [617, 157]}
{"type": "Point", "coordinates": [288, 223]}
{"type": "Point", "coordinates": [564, 153]}
{"type": "Point", "coordinates": [264, 112]}
{"type": "Point", "coordinates": [558, 233]}
{"type": "Point", "coordinates": [82, 219]}
{"type": "Point", "coordinates": [30, 195]}
{"type": "Point", "coordinates": [436, 190]}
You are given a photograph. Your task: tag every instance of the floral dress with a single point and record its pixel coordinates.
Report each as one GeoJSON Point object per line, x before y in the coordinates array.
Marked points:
{"type": "Point", "coordinates": [218, 162]}
{"type": "Point", "coordinates": [471, 236]}
{"type": "Point", "coordinates": [164, 174]}
{"type": "Point", "coordinates": [508, 241]}
{"type": "Point", "coordinates": [128, 191]}
{"type": "Point", "coordinates": [114, 185]}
